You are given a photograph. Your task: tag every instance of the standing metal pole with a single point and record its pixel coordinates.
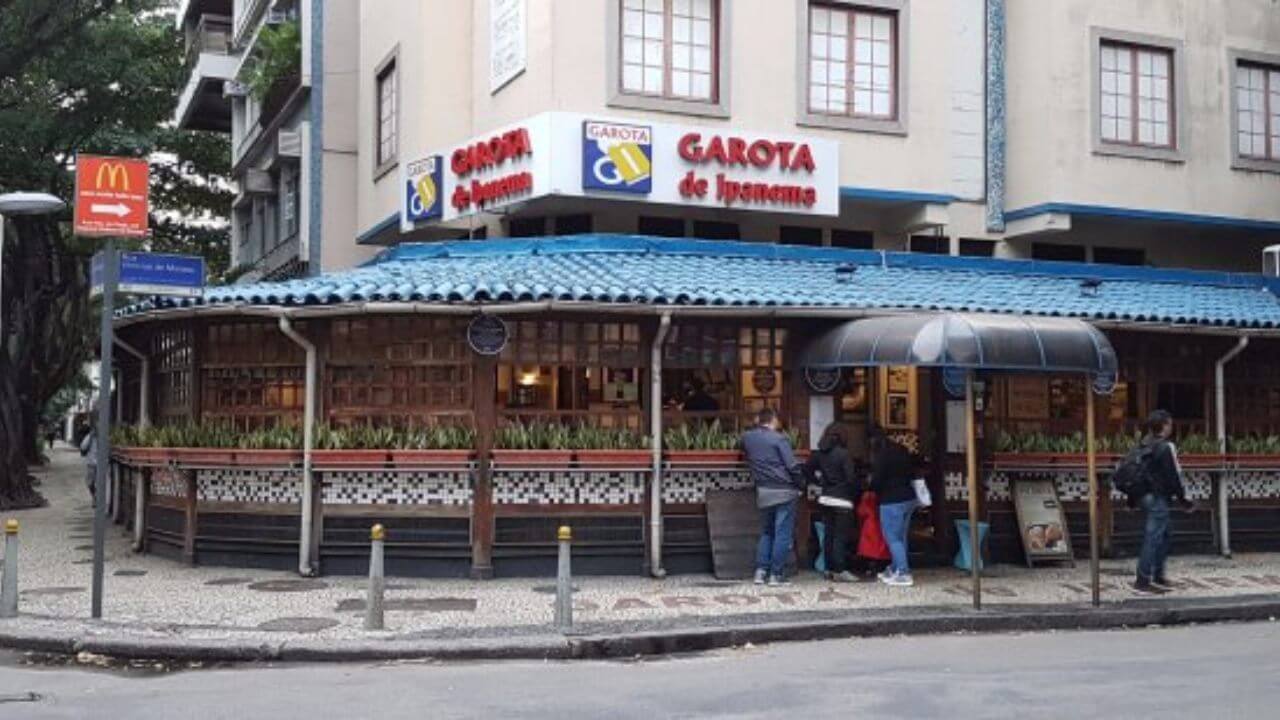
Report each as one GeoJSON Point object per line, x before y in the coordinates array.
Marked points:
{"type": "Point", "coordinates": [9, 585]}
{"type": "Point", "coordinates": [4, 340]}
{"type": "Point", "coordinates": [110, 271]}
{"type": "Point", "coordinates": [374, 607]}
{"type": "Point", "coordinates": [564, 582]}
{"type": "Point", "coordinates": [1094, 581]}
{"type": "Point", "coordinates": [971, 460]}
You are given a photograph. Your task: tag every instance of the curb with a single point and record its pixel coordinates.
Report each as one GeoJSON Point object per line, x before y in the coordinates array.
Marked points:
{"type": "Point", "coordinates": [602, 646]}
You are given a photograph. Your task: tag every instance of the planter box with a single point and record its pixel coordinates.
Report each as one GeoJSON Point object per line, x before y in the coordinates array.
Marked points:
{"type": "Point", "coordinates": [1269, 462]}
{"type": "Point", "coordinates": [433, 458]}
{"type": "Point", "coordinates": [144, 455]}
{"type": "Point", "coordinates": [638, 459]}
{"type": "Point", "coordinates": [1202, 461]}
{"type": "Point", "coordinates": [1066, 460]}
{"type": "Point", "coordinates": [704, 457]}
{"type": "Point", "coordinates": [348, 458]}
{"type": "Point", "coordinates": [203, 456]}
{"type": "Point", "coordinates": [533, 458]}
{"type": "Point", "coordinates": [268, 458]}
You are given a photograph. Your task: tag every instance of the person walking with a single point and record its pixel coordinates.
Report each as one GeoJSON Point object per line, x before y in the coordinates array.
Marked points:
{"type": "Point", "coordinates": [89, 451]}
{"type": "Point", "coordinates": [777, 478]}
{"type": "Point", "coordinates": [891, 474]}
{"type": "Point", "coordinates": [837, 473]}
{"type": "Point", "coordinates": [1165, 489]}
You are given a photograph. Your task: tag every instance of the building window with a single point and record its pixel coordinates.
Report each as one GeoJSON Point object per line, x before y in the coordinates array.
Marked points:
{"type": "Point", "coordinates": [1119, 256]}
{"type": "Point", "coordinates": [1137, 95]}
{"type": "Point", "coordinates": [1056, 251]}
{"type": "Point", "coordinates": [388, 101]}
{"type": "Point", "coordinates": [579, 224]}
{"type": "Point", "coordinates": [795, 235]}
{"type": "Point", "coordinates": [711, 230]}
{"type": "Point", "coordinates": [1257, 89]}
{"type": "Point", "coordinates": [851, 67]}
{"type": "Point", "coordinates": [856, 239]}
{"type": "Point", "coordinates": [527, 227]}
{"type": "Point", "coordinates": [669, 48]}
{"type": "Point", "coordinates": [977, 248]}
{"type": "Point", "coordinates": [289, 204]}
{"type": "Point", "coordinates": [931, 244]}
{"type": "Point", "coordinates": [660, 226]}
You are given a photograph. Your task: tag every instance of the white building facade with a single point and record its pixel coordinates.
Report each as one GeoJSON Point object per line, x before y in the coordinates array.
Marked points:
{"type": "Point", "coordinates": [1125, 132]}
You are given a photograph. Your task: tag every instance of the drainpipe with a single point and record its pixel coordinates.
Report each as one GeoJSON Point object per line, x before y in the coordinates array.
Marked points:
{"type": "Point", "coordinates": [655, 435]}
{"type": "Point", "coordinates": [1220, 414]}
{"type": "Point", "coordinates": [306, 564]}
{"type": "Point", "coordinates": [144, 409]}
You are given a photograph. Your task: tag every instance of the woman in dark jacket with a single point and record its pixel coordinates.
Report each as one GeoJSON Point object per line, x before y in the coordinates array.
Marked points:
{"type": "Point", "coordinates": [836, 471]}
{"type": "Point", "coordinates": [892, 469]}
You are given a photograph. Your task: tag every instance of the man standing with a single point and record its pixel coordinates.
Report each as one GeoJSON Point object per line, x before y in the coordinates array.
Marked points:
{"type": "Point", "coordinates": [1165, 489]}
{"type": "Point", "coordinates": [778, 482]}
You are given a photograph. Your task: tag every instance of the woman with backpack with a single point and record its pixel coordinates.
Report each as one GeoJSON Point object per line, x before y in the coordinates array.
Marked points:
{"type": "Point", "coordinates": [835, 470]}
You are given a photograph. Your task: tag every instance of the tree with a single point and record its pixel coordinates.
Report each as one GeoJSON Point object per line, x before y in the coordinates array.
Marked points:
{"type": "Point", "coordinates": [106, 81]}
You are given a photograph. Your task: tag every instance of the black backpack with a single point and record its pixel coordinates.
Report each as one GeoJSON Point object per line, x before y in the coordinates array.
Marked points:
{"type": "Point", "coordinates": [1133, 475]}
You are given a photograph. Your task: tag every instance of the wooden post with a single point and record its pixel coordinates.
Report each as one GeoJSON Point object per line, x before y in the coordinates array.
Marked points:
{"type": "Point", "coordinates": [485, 402]}
{"type": "Point", "coordinates": [189, 527]}
{"type": "Point", "coordinates": [1093, 493]}
{"type": "Point", "coordinates": [937, 480]}
{"type": "Point", "coordinates": [971, 457]}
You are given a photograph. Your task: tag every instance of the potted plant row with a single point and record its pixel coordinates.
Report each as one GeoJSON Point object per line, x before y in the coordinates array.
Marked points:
{"type": "Point", "coordinates": [1194, 450]}
{"type": "Point", "coordinates": [364, 445]}
{"type": "Point", "coordinates": [701, 444]}
{"type": "Point", "coordinates": [544, 444]}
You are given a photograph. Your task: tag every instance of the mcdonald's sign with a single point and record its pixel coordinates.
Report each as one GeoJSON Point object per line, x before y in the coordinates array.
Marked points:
{"type": "Point", "coordinates": [111, 196]}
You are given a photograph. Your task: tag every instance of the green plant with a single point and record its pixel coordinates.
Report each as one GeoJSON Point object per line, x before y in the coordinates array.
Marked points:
{"type": "Point", "coordinates": [590, 437]}
{"type": "Point", "coordinates": [536, 435]}
{"type": "Point", "coordinates": [277, 54]}
{"type": "Point", "coordinates": [699, 436]}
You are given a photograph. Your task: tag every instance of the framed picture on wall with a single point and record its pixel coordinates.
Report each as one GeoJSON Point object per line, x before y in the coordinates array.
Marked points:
{"type": "Point", "coordinates": [897, 398]}
{"type": "Point", "coordinates": [898, 411]}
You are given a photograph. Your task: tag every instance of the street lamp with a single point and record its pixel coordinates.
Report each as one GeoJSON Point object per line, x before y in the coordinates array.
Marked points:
{"type": "Point", "coordinates": [21, 203]}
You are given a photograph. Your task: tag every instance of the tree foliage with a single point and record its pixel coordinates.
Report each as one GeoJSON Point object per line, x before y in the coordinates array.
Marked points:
{"type": "Point", "coordinates": [97, 77]}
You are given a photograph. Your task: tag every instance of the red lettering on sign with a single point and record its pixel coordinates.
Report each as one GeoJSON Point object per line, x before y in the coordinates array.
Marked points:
{"type": "Point", "coordinates": [760, 193]}
{"type": "Point", "coordinates": [735, 151]}
{"type": "Point", "coordinates": [484, 192]}
{"type": "Point", "coordinates": [491, 153]}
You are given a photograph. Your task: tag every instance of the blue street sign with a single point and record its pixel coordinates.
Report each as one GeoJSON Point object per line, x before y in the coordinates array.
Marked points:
{"type": "Point", "coordinates": [154, 274]}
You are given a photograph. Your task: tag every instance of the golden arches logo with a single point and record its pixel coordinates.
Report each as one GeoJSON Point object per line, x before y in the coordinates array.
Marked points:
{"type": "Point", "coordinates": [117, 176]}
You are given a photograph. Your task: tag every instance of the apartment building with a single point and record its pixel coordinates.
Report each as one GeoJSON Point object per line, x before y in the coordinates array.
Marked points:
{"type": "Point", "coordinates": [1118, 132]}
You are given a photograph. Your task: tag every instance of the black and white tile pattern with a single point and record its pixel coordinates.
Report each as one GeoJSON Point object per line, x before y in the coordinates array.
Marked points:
{"type": "Point", "coordinates": [250, 486]}
{"type": "Point", "coordinates": [691, 486]}
{"type": "Point", "coordinates": [569, 487]}
{"type": "Point", "coordinates": [397, 488]}
{"type": "Point", "coordinates": [1073, 486]}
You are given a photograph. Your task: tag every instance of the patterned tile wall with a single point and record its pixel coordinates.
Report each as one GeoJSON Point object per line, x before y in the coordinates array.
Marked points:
{"type": "Point", "coordinates": [569, 487]}
{"type": "Point", "coordinates": [1073, 486]}
{"type": "Point", "coordinates": [168, 483]}
{"type": "Point", "coordinates": [397, 488]}
{"type": "Point", "coordinates": [691, 486]}
{"type": "Point", "coordinates": [250, 486]}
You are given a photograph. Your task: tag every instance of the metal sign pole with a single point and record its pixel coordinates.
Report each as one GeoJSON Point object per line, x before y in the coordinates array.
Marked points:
{"type": "Point", "coordinates": [110, 271]}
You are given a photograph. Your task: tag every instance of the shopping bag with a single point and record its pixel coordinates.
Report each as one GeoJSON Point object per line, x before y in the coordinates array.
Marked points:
{"type": "Point", "coordinates": [922, 492]}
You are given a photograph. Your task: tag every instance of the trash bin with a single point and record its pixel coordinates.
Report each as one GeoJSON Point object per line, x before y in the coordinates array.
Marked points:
{"type": "Point", "coordinates": [962, 557]}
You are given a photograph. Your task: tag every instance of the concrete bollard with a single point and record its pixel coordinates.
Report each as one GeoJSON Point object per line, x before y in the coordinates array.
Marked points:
{"type": "Point", "coordinates": [9, 584]}
{"type": "Point", "coordinates": [373, 612]}
{"type": "Point", "coordinates": [564, 582]}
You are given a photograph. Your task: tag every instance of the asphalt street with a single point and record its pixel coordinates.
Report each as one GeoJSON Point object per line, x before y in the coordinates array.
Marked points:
{"type": "Point", "coordinates": [1220, 671]}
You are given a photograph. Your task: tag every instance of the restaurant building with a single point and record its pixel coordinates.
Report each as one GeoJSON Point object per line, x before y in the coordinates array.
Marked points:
{"type": "Point", "coordinates": [518, 219]}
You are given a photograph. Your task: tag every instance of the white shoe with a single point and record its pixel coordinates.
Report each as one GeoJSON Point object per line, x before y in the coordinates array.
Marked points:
{"type": "Point", "coordinates": [761, 576]}
{"type": "Point", "coordinates": [778, 581]}
{"type": "Point", "coordinates": [885, 575]}
{"type": "Point", "coordinates": [901, 580]}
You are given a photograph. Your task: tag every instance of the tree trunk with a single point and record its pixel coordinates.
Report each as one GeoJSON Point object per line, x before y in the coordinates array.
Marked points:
{"type": "Point", "coordinates": [16, 489]}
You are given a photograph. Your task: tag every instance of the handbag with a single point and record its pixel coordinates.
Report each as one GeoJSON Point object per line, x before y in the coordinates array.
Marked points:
{"type": "Point", "coordinates": [922, 492]}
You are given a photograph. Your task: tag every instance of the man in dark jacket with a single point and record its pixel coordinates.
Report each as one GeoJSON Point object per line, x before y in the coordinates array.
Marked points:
{"type": "Point", "coordinates": [776, 475]}
{"type": "Point", "coordinates": [1166, 490]}
{"type": "Point", "coordinates": [835, 470]}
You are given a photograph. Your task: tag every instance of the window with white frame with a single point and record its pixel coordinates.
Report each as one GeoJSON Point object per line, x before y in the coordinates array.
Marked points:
{"type": "Point", "coordinates": [387, 122]}
{"type": "Point", "coordinates": [289, 204]}
{"type": "Point", "coordinates": [669, 49]}
{"type": "Point", "coordinates": [851, 61]}
{"type": "Point", "coordinates": [1258, 111]}
{"type": "Point", "coordinates": [1136, 96]}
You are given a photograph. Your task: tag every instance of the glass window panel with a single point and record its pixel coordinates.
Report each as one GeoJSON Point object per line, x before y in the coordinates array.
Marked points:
{"type": "Point", "coordinates": [702, 32]}
{"type": "Point", "coordinates": [1145, 110]}
{"type": "Point", "coordinates": [818, 98]}
{"type": "Point", "coordinates": [1144, 63]}
{"type": "Point", "coordinates": [818, 46]}
{"type": "Point", "coordinates": [1144, 86]}
{"type": "Point", "coordinates": [1160, 65]}
{"type": "Point", "coordinates": [837, 99]}
{"type": "Point", "coordinates": [653, 25]}
{"type": "Point", "coordinates": [881, 28]}
{"type": "Point", "coordinates": [681, 29]}
{"type": "Point", "coordinates": [1124, 60]}
{"type": "Point", "coordinates": [681, 7]}
{"type": "Point", "coordinates": [1145, 132]}
{"type": "Point", "coordinates": [1160, 90]}
{"type": "Point", "coordinates": [1109, 129]}
{"type": "Point", "coordinates": [880, 103]}
{"type": "Point", "coordinates": [818, 72]}
{"type": "Point", "coordinates": [653, 80]}
{"type": "Point", "coordinates": [839, 23]}
{"type": "Point", "coordinates": [632, 50]}
{"type": "Point", "coordinates": [1162, 133]}
{"type": "Point", "coordinates": [653, 6]}
{"type": "Point", "coordinates": [820, 18]}
{"type": "Point", "coordinates": [633, 4]}
{"type": "Point", "coordinates": [702, 8]}
{"type": "Point", "coordinates": [1108, 82]}
{"type": "Point", "coordinates": [702, 86]}
{"type": "Point", "coordinates": [880, 78]}
{"type": "Point", "coordinates": [861, 52]}
{"type": "Point", "coordinates": [862, 26]}
{"type": "Point", "coordinates": [680, 84]}
{"type": "Point", "coordinates": [702, 59]}
{"type": "Point", "coordinates": [862, 101]}
{"type": "Point", "coordinates": [633, 23]}
{"type": "Point", "coordinates": [633, 78]}
{"type": "Point", "coordinates": [681, 57]}
{"type": "Point", "coordinates": [653, 52]}
{"type": "Point", "coordinates": [880, 53]}
{"type": "Point", "coordinates": [1108, 105]}
{"type": "Point", "coordinates": [1275, 146]}
{"type": "Point", "coordinates": [862, 76]}
{"type": "Point", "coordinates": [839, 48]}
{"type": "Point", "coordinates": [1108, 57]}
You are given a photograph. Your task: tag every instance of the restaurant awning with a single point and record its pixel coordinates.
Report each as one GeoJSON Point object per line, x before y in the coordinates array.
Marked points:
{"type": "Point", "coordinates": [966, 340]}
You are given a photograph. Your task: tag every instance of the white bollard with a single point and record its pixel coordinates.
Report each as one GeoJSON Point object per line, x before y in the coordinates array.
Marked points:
{"type": "Point", "coordinates": [9, 584]}
{"type": "Point", "coordinates": [564, 582]}
{"type": "Point", "coordinates": [373, 614]}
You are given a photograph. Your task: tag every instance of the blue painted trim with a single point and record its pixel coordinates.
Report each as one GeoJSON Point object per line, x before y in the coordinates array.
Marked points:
{"type": "Point", "coordinates": [995, 154]}
{"type": "Point", "coordinates": [857, 193]}
{"type": "Point", "coordinates": [1139, 214]}
{"type": "Point", "coordinates": [315, 112]}
{"type": "Point", "coordinates": [387, 223]}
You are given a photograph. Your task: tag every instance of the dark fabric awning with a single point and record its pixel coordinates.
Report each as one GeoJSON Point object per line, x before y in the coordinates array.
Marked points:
{"type": "Point", "coordinates": [966, 340]}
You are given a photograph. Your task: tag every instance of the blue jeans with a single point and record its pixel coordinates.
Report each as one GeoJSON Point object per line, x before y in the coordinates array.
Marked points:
{"type": "Point", "coordinates": [895, 522]}
{"type": "Point", "coordinates": [777, 525]}
{"type": "Point", "coordinates": [1157, 537]}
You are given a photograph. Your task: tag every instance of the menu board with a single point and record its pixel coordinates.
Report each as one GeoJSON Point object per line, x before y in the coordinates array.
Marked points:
{"type": "Point", "coordinates": [1028, 398]}
{"type": "Point", "coordinates": [1042, 521]}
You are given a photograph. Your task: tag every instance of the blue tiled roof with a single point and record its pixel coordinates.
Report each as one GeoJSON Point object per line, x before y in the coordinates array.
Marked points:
{"type": "Point", "coordinates": [629, 269]}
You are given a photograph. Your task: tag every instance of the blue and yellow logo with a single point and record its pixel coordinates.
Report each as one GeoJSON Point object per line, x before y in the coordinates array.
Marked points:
{"type": "Point", "coordinates": [423, 190]}
{"type": "Point", "coordinates": [618, 158]}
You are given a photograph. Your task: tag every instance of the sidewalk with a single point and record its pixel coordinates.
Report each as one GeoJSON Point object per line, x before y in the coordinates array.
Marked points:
{"type": "Point", "coordinates": [160, 604]}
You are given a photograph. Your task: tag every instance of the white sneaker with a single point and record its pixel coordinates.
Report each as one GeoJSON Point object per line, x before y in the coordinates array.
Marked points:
{"type": "Point", "coordinates": [778, 581]}
{"type": "Point", "coordinates": [901, 580]}
{"type": "Point", "coordinates": [761, 576]}
{"type": "Point", "coordinates": [885, 576]}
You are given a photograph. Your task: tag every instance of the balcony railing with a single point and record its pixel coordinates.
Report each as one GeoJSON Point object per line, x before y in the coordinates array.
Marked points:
{"type": "Point", "coordinates": [211, 35]}
{"type": "Point", "coordinates": [247, 15]}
